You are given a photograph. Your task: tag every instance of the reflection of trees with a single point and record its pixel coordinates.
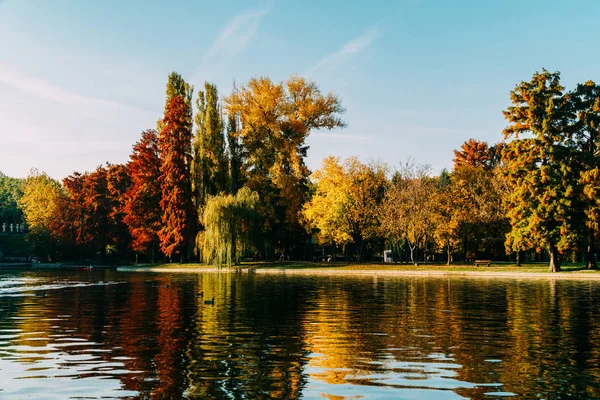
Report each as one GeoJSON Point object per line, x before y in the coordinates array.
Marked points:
{"type": "Point", "coordinates": [249, 344]}
{"type": "Point", "coordinates": [267, 336]}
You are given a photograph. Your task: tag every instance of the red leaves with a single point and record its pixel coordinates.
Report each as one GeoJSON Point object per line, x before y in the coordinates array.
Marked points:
{"type": "Point", "coordinates": [174, 143]}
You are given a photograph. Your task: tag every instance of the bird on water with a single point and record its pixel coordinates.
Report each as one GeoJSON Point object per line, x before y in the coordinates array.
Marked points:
{"type": "Point", "coordinates": [210, 301]}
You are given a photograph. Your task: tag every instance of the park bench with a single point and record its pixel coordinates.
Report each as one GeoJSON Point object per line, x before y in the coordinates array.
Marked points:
{"type": "Point", "coordinates": [483, 262]}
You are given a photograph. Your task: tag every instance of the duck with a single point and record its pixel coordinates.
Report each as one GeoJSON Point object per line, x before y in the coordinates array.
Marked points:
{"type": "Point", "coordinates": [210, 301]}
{"type": "Point", "coordinates": [41, 294]}
{"type": "Point", "coordinates": [201, 294]}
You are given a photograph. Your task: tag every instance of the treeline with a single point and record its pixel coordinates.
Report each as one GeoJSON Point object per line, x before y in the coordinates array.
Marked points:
{"type": "Point", "coordinates": [227, 179]}
{"type": "Point", "coordinates": [217, 179]}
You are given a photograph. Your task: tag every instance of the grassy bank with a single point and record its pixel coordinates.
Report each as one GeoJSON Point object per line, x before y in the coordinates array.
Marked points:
{"type": "Point", "coordinates": [539, 270]}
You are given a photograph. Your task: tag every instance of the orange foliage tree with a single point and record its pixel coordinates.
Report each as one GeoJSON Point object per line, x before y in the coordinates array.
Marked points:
{"type": "Point", "coordinates": [142, 200]}
{"type": "Point", "coordinates": [175, 146]}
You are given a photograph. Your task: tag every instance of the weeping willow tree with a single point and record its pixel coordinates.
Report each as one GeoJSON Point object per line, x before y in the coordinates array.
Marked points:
{"type": "Point", "coordinates": [228, 224]}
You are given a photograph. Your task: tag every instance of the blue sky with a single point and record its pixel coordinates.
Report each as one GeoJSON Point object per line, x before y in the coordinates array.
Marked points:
{"type": "Point", "coordinates": [80, 80]}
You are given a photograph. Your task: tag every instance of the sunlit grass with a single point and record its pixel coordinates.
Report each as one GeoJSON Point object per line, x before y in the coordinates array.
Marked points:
{"type": "Point", "coordinates": [352, 266]}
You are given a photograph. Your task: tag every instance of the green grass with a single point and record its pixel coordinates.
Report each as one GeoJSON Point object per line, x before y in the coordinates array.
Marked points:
{"type": "Point", "coordinates": [495, 267]}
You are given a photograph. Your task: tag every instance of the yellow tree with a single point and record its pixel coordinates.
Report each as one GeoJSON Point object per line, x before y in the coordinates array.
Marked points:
{"type": "Point", "coordinates": [274, 121]}
{"type": "Point", "coordinates": [407, 211]}
{"type": "Point", "coordinates": [344, 206]}
{"type": "Point", "coordinates": [40, 206]}
{"type": "Point", "coordinates": [446, 218]}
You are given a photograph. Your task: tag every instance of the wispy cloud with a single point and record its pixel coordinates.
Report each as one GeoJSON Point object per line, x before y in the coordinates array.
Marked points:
{"type": "Point", "coordinates": [234, 38]}
{"type": "Point", "coordinates": [41, 88]}
{"type": "Point", "coordinates": [336, 60]}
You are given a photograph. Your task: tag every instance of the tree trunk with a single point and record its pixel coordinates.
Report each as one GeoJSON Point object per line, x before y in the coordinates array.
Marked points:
{"type": "Point", "coordinates": [412, 255]}
{"type": "Point", "coordinates": [554, 261]}
{"type": "Point", "coordinates": [591, 251]}
{"type": "Point", "coordinates": [518, 257]}
{"type": "Point", "coordinates": [449, 254]}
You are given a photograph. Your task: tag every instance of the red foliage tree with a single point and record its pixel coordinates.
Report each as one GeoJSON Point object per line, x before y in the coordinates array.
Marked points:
{"type": "Point", "coordinates": [472, 153]}
{"type": "Point", "coordinates": [142, 200]}
{"type": "Point", "coordinates": [175, 146]}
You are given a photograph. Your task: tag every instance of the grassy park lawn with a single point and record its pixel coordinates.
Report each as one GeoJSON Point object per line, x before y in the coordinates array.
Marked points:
{"type": "Point", "coordinates": [440, 267]}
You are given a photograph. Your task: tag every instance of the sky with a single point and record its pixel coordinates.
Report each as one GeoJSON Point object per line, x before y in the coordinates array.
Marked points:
{"type": "Point", "coordinates": [80, 80]}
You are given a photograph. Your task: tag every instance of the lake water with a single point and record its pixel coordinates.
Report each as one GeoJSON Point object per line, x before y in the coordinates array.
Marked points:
{"type": "Point", "coordinates": [109, 334]}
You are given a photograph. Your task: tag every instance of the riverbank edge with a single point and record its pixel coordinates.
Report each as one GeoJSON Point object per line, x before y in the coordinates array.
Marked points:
{"type": "Point", "coordinates": [369, 272]}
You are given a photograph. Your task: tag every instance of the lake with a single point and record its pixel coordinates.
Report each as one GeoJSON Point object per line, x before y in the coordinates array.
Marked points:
{"type": "Point", "coordinates": [110, 334]}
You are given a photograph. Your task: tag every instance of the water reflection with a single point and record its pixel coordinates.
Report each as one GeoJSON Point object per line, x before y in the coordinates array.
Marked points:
{"type": "Point", "coordinates": [133, 335]}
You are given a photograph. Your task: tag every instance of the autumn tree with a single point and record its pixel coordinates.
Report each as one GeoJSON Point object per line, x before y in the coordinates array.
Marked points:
{"type": "Point", "coordinates": [229, 224]}
{"type": "Point", "coordinates": [541, 169]}
{"type": "Point", "coordinates": [407, 210]}
{"type": "Point", "coordinates": [445, 216]}
{"type": "Point", "coordinates": [584, 105]}
{"type": "Point", "coordinates": [344, 207]}
{"type": "Point", "coordinates": [178, 214]}
{"type": "Point", "coordinates": [274, 121]}
{"type": "Point", "coordinates": [142, 199]}
{"type": "Point", "coordinates": [118, 182]}
{"type": "Point", "coordinates": [39, 203]}
{"type": "Point", "coordinates": [472, 153]}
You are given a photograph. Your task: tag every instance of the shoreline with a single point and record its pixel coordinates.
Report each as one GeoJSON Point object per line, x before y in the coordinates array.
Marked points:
{"type": "Point", "coordinates": [592, 275]}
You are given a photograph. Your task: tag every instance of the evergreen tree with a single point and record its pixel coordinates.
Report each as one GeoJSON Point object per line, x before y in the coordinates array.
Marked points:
{"type": "Point", "coordinates": [585, 106]}
{"type": "Point", "coordinates": [541, 170]}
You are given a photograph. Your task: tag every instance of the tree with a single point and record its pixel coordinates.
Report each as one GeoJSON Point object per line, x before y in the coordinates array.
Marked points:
{"type": "Point", "coordinates": [235, 154]}
{"type": "Point", "coordinates": [209, 167]}
{"type": "Point", "coordinates": [174, 143]}
{"type": "Point", "coordinates": [177, 86]}
{"type": "Point", "coordinates": [40, 206]}
{"type": "Point", "coordinates": [445, 216]}
{"type": "Point", "coordinates": [275, 120]}
{"type": "Point", "coordinates": [407, 209]}
{"type": "Point", "coordinates": [228, 226]}
{"type": "Point", "coordinates": [118, 183]}
{"type": "Point", "coordinates": [541, 169]}
{"type": "Point", "coordinates": [142, 199]}
{"type": "Point", "coordinates": [11, 190]}
{"type": "Point", "coordinates": [584, 103]}
{"type": "Point", "coordinates": [326, 210]}
{"type": "Point", "coordinates": [472, 153]}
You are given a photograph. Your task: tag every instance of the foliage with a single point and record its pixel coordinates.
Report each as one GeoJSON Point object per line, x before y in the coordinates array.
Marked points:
{"type": "Point", "coordinates": [174, 143]}
{"type": "Point", "coordinates": [39, 203]}
{"type": "Point", "coordinates": [209, 167]}
{"type": "Point", "coordinates": [344, 207]}
{"type": "Point", "coordinates": [407, 211]}
{"type": "Point", "coordinates": [142, 199]}
{"type": "Point", "coordinates": [11, 190]}
{"type": "Point", "coordinates": [541, 170]}
{"type": "Point", "coordinates": [228, 225]}
{"type": "Point", "coordinates": [274, 122]}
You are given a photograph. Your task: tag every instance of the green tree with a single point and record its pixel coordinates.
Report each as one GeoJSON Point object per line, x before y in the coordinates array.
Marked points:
{"type": "Point", "coordinates": [585, 107]}
{"type": "Point", "coordinates": [228, 227]}
{"type": "Point", "coordinates": [235, 154]}
{"type": "Point", "coordinates": [209, 166]}
{"type": "Point", "coordinates": [11, 190]}
{"type": "Point", "coordinates": [541, 170]}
